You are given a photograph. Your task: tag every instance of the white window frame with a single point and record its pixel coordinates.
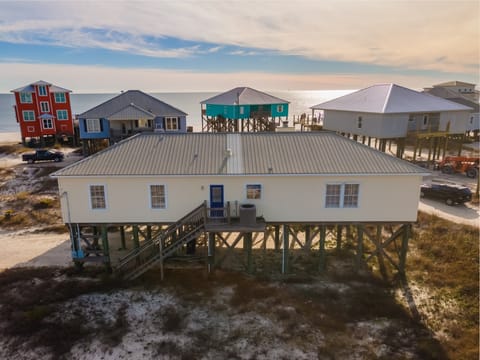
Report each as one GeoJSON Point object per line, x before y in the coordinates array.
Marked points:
{"type": "Point", "coordinates": [253, 191]}
{"type": "Point", "coordinates": [93, 126]}
{"type": "Point", "coordinates": [44, 106]}
{"type": "Point", "coordinates": [342, 197]}
{"type": "Point", "coordinates": [61, 118]}
{"type": "Point", "coordinates": [26, 97]}
{"type": "Point", "coordinates": [93, 198]}
{"type": "Point", "coordinates": [42, 90]}
{"type": "Point", "coordinates": [47, 124]}
{"type": "Point", "coordinates": [151, 197]}
{"type": "Point", "coordinates": [279, 108]}
{"type": "Point", "coordinates": [170, 121]}
{"type": "Point", "coordinates": [60, 98]}
{"type": "Point", "coordinates": [28, 118]}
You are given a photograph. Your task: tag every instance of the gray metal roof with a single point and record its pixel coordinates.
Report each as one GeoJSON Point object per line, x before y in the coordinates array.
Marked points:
{"type": "Point", "coordinates": [131, 112]}
{"type": "Point", "coordinates": [143, 101]}
{"type": "Point", "coordinates": [390, 98]}
{"type": "Point", "coordinates": [244, 96]}
{"type": "Point", "coordinates": [31, 87]}
{"type": "Point", "coordinates": [295, 153]}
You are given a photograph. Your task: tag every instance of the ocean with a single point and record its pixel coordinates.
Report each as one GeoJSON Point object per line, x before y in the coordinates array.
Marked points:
{"type": "Point", "coordinates": [189, 102]}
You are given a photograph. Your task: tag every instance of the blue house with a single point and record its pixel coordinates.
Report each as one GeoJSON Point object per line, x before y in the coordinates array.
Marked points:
{"type": "Point", "coordinates": [243, 109]}
{"type": "Point", "coordinates": [128, 113]}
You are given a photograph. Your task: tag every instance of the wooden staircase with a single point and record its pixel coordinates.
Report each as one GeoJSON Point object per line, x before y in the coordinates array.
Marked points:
{"type": "Point", "coordinates": [155, 250]}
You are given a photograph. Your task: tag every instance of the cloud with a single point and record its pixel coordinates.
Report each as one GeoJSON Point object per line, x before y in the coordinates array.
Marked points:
{"type": "Point", "coordinates": [396, 33]}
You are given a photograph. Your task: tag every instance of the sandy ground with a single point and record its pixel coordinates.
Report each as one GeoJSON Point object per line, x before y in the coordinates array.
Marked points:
{"type": "Point", "coordinates": [25, 249]}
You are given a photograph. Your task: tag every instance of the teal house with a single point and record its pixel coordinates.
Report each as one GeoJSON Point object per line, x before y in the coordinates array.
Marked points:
{"type": "Point", "coordinates": [243, 109]}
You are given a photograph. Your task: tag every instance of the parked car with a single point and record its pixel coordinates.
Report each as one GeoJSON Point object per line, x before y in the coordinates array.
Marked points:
{"type": "Point", "coordinates": [43, 155]}
{"type": "Point", "coordinates": [451, 194]}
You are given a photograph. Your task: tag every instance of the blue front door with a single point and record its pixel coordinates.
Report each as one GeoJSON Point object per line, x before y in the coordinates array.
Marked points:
{"type": "Point", "coordinates": [216, 200]}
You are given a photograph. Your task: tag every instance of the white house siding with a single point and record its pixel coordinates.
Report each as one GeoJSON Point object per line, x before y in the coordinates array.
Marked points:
{"type": "Point", "coordinates": [458, 121]}
{"type": "Point", "coordinates": [375, 125]}
{"type": "Point", "coordinates": [284, 199]}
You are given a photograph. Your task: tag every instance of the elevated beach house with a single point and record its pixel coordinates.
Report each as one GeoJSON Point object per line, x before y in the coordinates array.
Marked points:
{"type": "Point", "coordinates": [387, 112]}
{"type": "Point", "coordinates": [233, 182]}
{"type": "Point", "coordinates": [126, 114]}
{"type": "Point", "coordinates": [44, 113]}
{"type": "Point", "coordinates": [243, 109]}
{"type": "Point", "coordinates": [462, 93]}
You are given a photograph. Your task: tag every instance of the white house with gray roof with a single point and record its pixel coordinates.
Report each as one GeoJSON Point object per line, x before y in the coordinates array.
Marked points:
{"type": "Point", "coordinates": [316, 177]}
{"type": "Point", "coordinates": [387, 111]}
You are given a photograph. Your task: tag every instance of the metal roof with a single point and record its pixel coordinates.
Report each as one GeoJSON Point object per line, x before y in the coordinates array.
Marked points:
{"type": "Point", "coordinates": [244, 96]}
{"type": "Point", "coordinates": [31, 87]}
{"type": "Point", "coordinates": [141, 100]}
{"type": "Point", "coordinates": [390, 98]}
{"type": "Point", "coordinates": [131, 112]}
{"type": "Point", "coordinates": [191, 154]}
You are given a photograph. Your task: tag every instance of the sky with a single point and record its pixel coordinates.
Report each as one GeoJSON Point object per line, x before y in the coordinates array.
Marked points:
{"type": "Point", "coordinates": [212, 45]}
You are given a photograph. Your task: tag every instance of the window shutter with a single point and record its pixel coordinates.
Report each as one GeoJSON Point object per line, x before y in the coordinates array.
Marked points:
{"type": "Point", "coordinates": [101, 124]}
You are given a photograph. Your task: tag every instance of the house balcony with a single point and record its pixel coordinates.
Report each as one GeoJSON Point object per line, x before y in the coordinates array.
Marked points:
{"type": "Point", "coordinates": [231, 219]}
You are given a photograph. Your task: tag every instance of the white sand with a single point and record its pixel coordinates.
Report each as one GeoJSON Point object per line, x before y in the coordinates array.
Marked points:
{"type": "Point", "coordinates": [10, 137]}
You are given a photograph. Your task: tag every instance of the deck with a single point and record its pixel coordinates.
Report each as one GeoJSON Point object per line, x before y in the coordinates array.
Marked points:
{"type": "Point", "coordinates": [234, 225]}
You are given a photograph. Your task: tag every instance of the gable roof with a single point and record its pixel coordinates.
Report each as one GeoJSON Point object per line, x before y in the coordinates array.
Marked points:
{"type": "Point", "coordinates": [131, 111]}
{"type": "Point", "coordinates": [453, 83]}
{"type": "Point", "coordinates": [142, 101]}
{"type": "Point", "coordinates": [31, 87]}
{"type": "Point", "coordinates": [244, 96]}
{"type": "Point", "coordinates": [196, 154]}
{"type": "Point", "coordinates": [390, 99]}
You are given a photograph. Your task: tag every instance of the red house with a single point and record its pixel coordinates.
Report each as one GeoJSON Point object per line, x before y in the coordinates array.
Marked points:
{"type": "Point", "coordinates": [44, 113]}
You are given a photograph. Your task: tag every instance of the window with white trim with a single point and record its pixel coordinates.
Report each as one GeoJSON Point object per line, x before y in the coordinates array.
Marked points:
{"type": "Point", "coordinates": [60, 98]}
{"type": "Point", "coordinates": [44, 106]}
{"type": "Point", "coordinates": [42, 90]}
{"type": "Point", "coordinates": [92, 125]}
{"type": "Point", "coordinates": [254, 191]}
{"type": "Point", "coordinates": [28, 115]}
{"type": "Point", "coordinates": [342, 195]}
{"type": "Point", "coordinates": [47, 123]}
{"type": "Point", "coordinates": [158, 197]}
{"type": "Point", "coordinates": [97, 197]}
{"type": "Point", "coordinates": [26, 98]}
{"type": "Point", "coordinates": [171, 123]}
{"type": "Point", "coordinates": [242, 111]}
{"type": "Point", "coordinates": [62, 114]}
{"type": "Point", "coordinates": [279, 108]}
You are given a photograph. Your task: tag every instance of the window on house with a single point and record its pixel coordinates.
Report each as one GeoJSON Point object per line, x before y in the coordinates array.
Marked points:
{"type": "Point", "coordinates": [92, 125]}
{"type": "Point", "coordinates": [254, 191]}
{"type": "Point", "coordinates": [425, 119]}
{"type": "Point", "coordinates": [62, 114]}
{"type": "Point", "coordinates": [279, 108]}
{"type": "Point", "coordinates": [30, 129]}
{"type": "Point", "coordinates": [171, 124]}
{"type": "Point", "coordinates": [60, 98]}
{"type": "Point", "coordinates": [359, 122]}
{"type": "Point", "coordinates": [241, 110]}
{"type": "Point", "coordinates": [42, 90]}
{"type": "Point", "coordinates": [97, 197]}
{"type": "Point", "coordinates": [44, 106]}
{"type": "Point", "coordinates": [47, 123]}
{"type": "Point", "coordinates": [342, 195]}
{"type": "Point", "coordinates": [26, 98]}
{"type": "Point", "coordinates": [28, 115]}
{"type": "Point", "coordinates": [157, 197]}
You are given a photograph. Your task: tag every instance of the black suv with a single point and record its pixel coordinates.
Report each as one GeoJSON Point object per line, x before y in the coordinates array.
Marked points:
{"type": "Point", "coordinates": [451, 194]}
